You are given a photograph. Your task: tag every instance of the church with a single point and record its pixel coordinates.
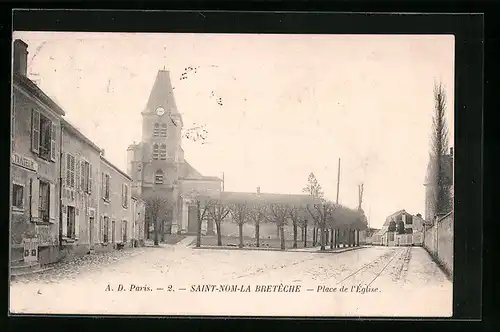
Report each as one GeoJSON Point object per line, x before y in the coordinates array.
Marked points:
{"type": "Point", "coordinates": [157, 165]}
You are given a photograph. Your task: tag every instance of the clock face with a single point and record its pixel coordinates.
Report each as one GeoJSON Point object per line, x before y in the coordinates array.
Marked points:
{"type": "Point", "coordinates": [160, 111]}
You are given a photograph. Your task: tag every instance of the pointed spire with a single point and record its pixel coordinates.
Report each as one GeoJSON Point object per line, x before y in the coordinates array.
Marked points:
{"type": "Point", "coordinates": [162, 94]}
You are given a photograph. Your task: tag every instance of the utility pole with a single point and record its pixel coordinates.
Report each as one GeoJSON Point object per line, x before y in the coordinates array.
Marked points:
{"type": "Point", "coordinates": [338, 182]}
{"type": "Point", "coordinates": [222, 181]}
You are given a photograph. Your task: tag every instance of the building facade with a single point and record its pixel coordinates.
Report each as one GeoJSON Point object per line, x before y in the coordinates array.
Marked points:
{"type": "Point", "coordinates": [80, 194]}
{"type": "Point", "coordinates": [115, 208]}
{"type": "Point", "coordinates": [65, 197]}
{"type": "Point", "coordinates": [35, 167]}
{"type": "Point", "coordinates": [157, 165]}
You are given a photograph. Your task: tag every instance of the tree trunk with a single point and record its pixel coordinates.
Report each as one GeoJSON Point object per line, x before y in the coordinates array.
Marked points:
{"type": "Point", "coordinates": [277, 231]}
{"type": "Point", "coordinates": [305, 235]}
{"type": "Point", "coordinates": [302, 233]}
{"type": "Point", "coordinates": [257, 234]}
{"type": "Point", "coordinates": [295, 235]}
{"type": "Point", "coordinates": [314, 236]}
{"type": "Point", "coordinates": [162, 231]}
{"type": "Point", "coordinates": [198, 231]}
{"type": "Point", "coordinates": [219, 235]}
{"type": "Point", "coordinates": [332, 234]}
{"type": "Point", "coordinates": [322, 238]}
{"type": "Point", "coordinates": [156, 232]}
{"type": "Point", "coordinates": [240, 228]}
{"type": "Point", "coordinates": [282, 233]}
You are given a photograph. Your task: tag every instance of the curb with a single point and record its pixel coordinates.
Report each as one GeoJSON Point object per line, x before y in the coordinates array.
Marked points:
{"type": "Point", "coordinates": [278, 249]}
{"type": "Point", "coordinates": [27, 273]}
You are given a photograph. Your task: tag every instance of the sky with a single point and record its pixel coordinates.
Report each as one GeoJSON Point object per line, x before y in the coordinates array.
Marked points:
{"type": "Point", "coordinates": [291, 105]}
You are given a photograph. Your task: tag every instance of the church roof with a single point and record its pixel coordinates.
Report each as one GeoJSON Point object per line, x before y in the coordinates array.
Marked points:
{"type": "Point", "coordinates": [266, 198]}
{"type": "Point", "coordinates": [162, 94]}
{"type": "Point", "coordinates": [188, 172]}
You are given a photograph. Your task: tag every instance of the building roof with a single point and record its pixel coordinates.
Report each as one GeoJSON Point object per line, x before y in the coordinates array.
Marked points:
{"type": "Point", "coordinates": [162, 94]}
{"type": "Point", "coordinates": [115, 168]}
{"type": "Point", "coordinates": [266, 198]}
{"type": "Point", "coordinates": [188, 172]}
{"type": "Point", "coordinates": [72, 129]}
{"type": "Point", "coordinates": [447, 164]}
{"type": "Point", "coordinates": [34, 90]}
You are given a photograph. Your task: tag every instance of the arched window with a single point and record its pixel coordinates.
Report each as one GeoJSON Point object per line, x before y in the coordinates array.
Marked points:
{"type": "Point", "coordinates": [156, 129]}
{"type": "Point", "coordinates": [163, 152]}
{"type": "Point", "coordinates": [163, 130]}
{"type": "Point", "coordinates": [155, 151]}
{"type": "Point", "coordinates": [159, 177]}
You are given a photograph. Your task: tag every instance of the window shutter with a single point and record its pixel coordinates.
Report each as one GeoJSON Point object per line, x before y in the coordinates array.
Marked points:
{"type": "Point", "coordinates": [77, 224]}
{"type": "Point", "coordinates": [72, 168]}
{"type": "Point", "coordinates": [52, 202]}
{"type": "Point", "coordinates": [83, 176]}
{"type": "Point", "coordinates": [53, 134]}
{"type": "Point", "coordinates": [35, 196]}
{"type": "Point", "coordinates": [110, 230]}
{"type": "Point", "coordinates": [101, 229]}
{"type": "Point", "coordinates": [35, 131]}
{"type": "Point", "coordinates": [126, 196]}
{"type": "Point", "coordinates": [78, 170]}
{"type": "Point", "coordinates": [65, 222]}
{"type": "Point", "coordinates": [103, 185]}
{"type": "Point", "coordinates": [123, 194]}
{"type": "Point", "coordinates": [68, 170]}
{"type": "Point", "coordinates": [90, 179]}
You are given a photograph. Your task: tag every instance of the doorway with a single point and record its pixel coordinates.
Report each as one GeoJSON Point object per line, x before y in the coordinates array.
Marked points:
{"type": "Point", "coordinates": [91, 232]}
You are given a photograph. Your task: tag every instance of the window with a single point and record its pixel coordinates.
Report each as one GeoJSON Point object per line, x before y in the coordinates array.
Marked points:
{"type": "Point", "coordinates": [159, 177]}
{"type": "Point", "coordinates": [409, 220]}
{"type": "Point", "coordinates": [156, 129]}
{"type": "Point", "coordinates": [125, 195]}
{"type": "Point", "coordinates": [44, 201]}
{"type": "Point", "coordinates": [70, 170]}
{"type": "Point", "coordinates": [86, 176]}
{"type": "Point", "coordinates": [18, 196]}
{"type": "Point", "coordinates": [105, 230]}
{"type": "Point", "coordinates": [155, 151]}
{"type": "Point", "coordinates": [124, 231]}
{"type": "Point", "coordinates": [70, 223]}
{"type": "Point", "coordinates": [105, 186]}
{"type": "Point", "coordinates": [163, 151]}
{"type": "Point", "coordinates": [163, 130]}
{"type": "Point", "coordinates": [409, 231]}
{"type": "Point", "coordinates": [43, 136]}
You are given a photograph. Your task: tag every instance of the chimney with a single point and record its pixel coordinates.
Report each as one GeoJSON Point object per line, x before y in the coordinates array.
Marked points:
{"type": "Point", "coordinates": [258, 190]}
{"type": "Point", "coordinates": [451, 151]}
{"type": "Point", "coordinates": [20, 57]}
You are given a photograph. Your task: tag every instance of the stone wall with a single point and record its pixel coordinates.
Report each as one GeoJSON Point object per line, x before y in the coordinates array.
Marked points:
{"type": "Point", "coordinates": [438, 240]}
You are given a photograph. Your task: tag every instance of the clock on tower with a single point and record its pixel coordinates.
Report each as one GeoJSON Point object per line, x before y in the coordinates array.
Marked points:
{"type": "Point", "coordinates": [160, 111]}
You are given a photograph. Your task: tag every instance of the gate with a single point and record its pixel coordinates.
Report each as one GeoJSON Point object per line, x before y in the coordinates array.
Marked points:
{"type": "Point", "coordinates": [192, 219]}
{"type": "Point", "coordinates": [30, 250]}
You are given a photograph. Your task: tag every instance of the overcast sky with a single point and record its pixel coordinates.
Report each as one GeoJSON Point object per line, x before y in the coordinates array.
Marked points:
{"type": "Point", "coordinates": [291, 105]}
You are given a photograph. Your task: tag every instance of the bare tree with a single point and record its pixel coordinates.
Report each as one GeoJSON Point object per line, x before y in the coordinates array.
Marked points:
{"type": "Point", "coordinates": [218, 212]}
{"type": "Point", "coordinates": [279, 213]}
{"type": "Point", "coordinates": [240, 214]}
{"type": "Point", "coordinates": [298, 220]}
{"type": "Point", "coordinates": [155, 210]}
{"type": "Point", "coordinates": [322, 214]}
{"type": "Point", "coordinates": [314, 189]}
{"type": "Point", "coordinates": [257, 214]}
{"type": "Point", "coordinates": [439, 148]}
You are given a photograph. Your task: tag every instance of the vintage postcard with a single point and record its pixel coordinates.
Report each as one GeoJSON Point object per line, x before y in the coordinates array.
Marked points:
{"type": "Point", "coordinates": [232, 174]}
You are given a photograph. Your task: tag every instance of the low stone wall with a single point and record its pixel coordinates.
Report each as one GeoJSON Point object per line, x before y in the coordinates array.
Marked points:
{"type": "Point", "coordinates": [438, 240]}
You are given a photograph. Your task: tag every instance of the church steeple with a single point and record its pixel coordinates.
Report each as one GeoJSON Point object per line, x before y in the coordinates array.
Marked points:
{"type": "Point", "coordinates": [162, 95]}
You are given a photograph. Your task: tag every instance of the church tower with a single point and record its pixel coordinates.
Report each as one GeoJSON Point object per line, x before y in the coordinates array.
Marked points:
{"type": "Point", "coordinates": [157, 165]}
{"type": "Point", "coordinates": [154, 163]}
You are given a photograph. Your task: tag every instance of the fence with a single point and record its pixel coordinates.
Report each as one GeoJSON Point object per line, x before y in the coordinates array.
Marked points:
{"type": "Point", "coordinates": [438, 240]}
